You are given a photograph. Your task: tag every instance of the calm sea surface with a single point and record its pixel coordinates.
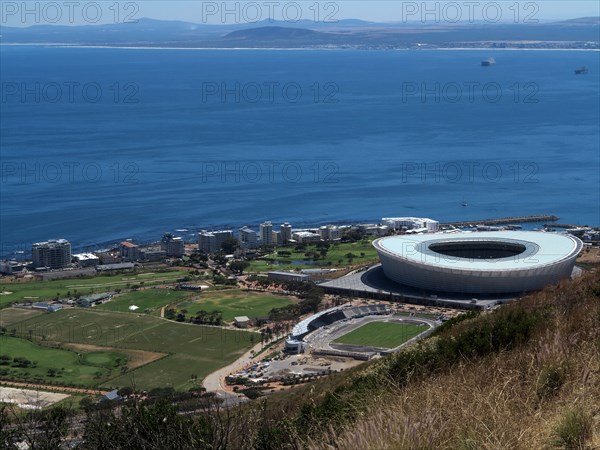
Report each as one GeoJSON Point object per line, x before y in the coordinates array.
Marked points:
{"type": "Point", "coordinates": [103, 144]}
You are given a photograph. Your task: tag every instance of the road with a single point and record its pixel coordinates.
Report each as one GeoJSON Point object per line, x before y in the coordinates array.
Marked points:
{"type": "Point", "coordinates": [215, 382]}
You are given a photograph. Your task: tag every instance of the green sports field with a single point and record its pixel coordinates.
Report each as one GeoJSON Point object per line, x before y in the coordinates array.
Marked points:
{"type": "Point", "coordinates": [192, 349]}
{"type": "Point", "coordinates": [53, 365]}
{"type": "Point", "coordinates": [235, 302]}
{"type": "Point", "coordinates": [382, 334]}
{"type": "Point", "coordinates": [34, 291]}
{"type": "Point", "coordinates": [363, 252]}
{"type": "Point", "coordinates": [146, 299]}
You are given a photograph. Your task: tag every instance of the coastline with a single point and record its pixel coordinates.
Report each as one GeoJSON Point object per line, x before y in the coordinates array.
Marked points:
{"type": "Point", "coordinates": [326, 49]}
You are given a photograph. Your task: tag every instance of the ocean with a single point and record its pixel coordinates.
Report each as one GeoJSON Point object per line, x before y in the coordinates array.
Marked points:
{"type": "Point", "coordinates": [102, 144]}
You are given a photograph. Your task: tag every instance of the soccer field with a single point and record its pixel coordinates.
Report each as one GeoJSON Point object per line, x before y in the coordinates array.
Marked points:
{"type": "Point", "coordinates": [191, 349]}
{"type": "Point", "coordinates": [382, 334]}
{"type": "Point", "coordinates": [236, 302]}
{"type": "Point", "coordinates": [147, 300]}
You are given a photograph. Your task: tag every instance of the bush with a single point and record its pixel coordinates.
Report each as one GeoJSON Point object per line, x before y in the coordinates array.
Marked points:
{"type": "Point", "coordinates": [574, 429]}
{"type": "Point", "coordinates": [550, 380]}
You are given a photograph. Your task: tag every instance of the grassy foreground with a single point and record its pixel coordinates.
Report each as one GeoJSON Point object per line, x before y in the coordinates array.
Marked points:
{"type": "Point", "coordinates": [525, 376]}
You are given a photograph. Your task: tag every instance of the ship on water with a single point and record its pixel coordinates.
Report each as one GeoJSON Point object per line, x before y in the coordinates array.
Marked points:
{"type": "Point", "coordinates": [581, 71]}
{"type": "Point", "coordinates": [488, 62]}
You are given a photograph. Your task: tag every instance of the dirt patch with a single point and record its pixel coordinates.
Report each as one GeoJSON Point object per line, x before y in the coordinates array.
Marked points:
{"type": "Point", "coordinates": [47, 387]}
{"type": "Point", "coordinates": [29, 399]}
{"type": "Point", "coordinates": [136, 358]}
{"type": "Point", "coordinates": [590, 255]}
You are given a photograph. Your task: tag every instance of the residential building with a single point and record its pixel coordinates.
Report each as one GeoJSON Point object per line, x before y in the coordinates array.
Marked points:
{"type": "Point", "coordinates": [248, 238]}
{"type": "Point", "coordinates": [86, 259]}
{"type": "Point", "coordinates": [399, 223]}
{"type": "Point", "coordinates": [152, 254]}
{"type": "Point", "coordinates": [54, 254]}
{"type": "Point", "coordinates": [11, 266]}
{"type": "Point", "coordinates": [306, 237]}
{"type": "Point", "coordinates": [210, 241]}
{"type": "Point", "coordinates": [286, 232]}
{"type": "Point", "coordinates": [330, 233]}
{"type": "Point", "coordinates": [172, 246]}
{"type": "Point", "coordinates": [277, 239]}
{"type": "Point", "coordinates": [129, 251]}
{"type": "Point", "coordinates": [266, 233]}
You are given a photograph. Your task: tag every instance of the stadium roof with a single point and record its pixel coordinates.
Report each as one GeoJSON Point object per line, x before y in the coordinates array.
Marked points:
{"type": "Point", "coordinates": [540, 249]}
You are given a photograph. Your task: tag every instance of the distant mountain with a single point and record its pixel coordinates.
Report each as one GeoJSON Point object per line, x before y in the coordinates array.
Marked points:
{"type": "Point", "coordinates": [581, 21]}
{"type": "Point", "coordinates": [574, 33]}
{"type": "Point", "coordinates": [273, 34]}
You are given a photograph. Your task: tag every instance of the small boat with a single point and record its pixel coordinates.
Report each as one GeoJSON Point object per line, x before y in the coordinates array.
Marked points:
{"type": "Point", "coordinates": [488, 62]}
{"type": "Point", "coordinates": [581, 71]}
{"type": "Point", "coordinates": [463, 203]}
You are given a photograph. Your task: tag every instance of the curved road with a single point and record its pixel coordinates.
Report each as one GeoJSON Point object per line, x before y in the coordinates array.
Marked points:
{"type": "Point", "coordinates": [215, 382]}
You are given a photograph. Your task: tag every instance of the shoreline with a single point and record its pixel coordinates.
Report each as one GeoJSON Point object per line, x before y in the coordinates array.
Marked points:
{"type": "Point", "coordinates": [306, 49]}
{"type": "Point", "coordinates": [144, 238]}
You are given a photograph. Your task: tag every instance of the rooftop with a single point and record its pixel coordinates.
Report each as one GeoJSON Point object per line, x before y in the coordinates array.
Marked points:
{"type": "Point", "coordinates": [536, 249]}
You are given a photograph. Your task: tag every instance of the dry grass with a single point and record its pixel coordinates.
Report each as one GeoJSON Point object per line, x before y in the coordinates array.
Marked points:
{"type": "Point", "coordinates": [503, 401]}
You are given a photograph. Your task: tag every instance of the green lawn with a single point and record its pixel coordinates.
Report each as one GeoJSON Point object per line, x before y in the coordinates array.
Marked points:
{"type": "Point", "coordinates": [192, 349]}
{"type": "Point", "coordinates": [146, 299]}
{"type": "Point", "coordinates": [87, 370]}
{"type": "Point", "coordinates": [382, 334]}
{"type": "Point", "coordinates": [34, 291]}
{"type": "Point", "coordinates": [235, 302]}
{"type": "Point", "coordinates": [336, 252]}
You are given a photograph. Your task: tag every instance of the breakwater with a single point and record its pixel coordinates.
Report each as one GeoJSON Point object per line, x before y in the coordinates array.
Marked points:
{"type": "Point", "coordinates": [504, 221]}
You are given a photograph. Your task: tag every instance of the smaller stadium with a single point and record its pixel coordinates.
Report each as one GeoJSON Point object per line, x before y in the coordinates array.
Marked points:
{"type": "Point", "coordinates": [359, 332]}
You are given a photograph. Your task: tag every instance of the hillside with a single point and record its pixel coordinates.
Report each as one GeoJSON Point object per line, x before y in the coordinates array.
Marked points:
{"type": "Point", "coordinates": [524, 376]}
{"type": "Point", "coordinates": [576, 33]}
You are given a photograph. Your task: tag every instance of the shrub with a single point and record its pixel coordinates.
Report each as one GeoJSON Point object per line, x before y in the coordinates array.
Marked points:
{"type": "Point", "coordinates": [574, 429]}
{"type": "Point", "coordinates": [550, 380]}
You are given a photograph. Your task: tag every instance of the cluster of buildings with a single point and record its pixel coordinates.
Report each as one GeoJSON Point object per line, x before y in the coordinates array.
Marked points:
{"type": "Point", "coordinates": [169, 247]}
{"type": "Point", "coordinates": [267, 235]}
{"type": "Point", "coordinates": [411, 224]}
{"type": "Point", "coordinates": [56, 254]}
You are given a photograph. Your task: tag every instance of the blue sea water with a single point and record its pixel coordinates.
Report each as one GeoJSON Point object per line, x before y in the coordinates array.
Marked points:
{"type": "Point", "coordinates": [103, 144]}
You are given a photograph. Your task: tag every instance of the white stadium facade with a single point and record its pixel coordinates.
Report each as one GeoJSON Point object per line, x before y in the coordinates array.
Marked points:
{"type": "Point", "coordinates": [479, 262]}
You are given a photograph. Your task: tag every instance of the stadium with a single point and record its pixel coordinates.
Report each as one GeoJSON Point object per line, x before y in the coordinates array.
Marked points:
{"type": "Point", "coordinates": [497, 262]}
{"type": "Point", "coordinates": [321, 331]}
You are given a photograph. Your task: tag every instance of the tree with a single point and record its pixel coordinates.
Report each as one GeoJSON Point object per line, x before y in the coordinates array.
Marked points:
{"type": "Point", "coordinates": [238, 266]}
{"type": "Point", "coordinates": [125, 391]}
{"type": "Point", "coordinates": [230, 245]}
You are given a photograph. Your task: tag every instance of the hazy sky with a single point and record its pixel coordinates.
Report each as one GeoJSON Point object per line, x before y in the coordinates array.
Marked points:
{"type": "Point", "coordinates": [19, 13]}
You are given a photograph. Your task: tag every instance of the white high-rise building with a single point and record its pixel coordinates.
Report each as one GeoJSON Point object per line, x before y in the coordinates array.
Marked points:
{"type": "Point", "coordinates": [266, 233]}
{"type": "Point", "coordinates": [330, 233]}
{"type": "Point", "coordinates": [248, 238]}
{"type": "Point", "coordinates": [410, 223]}
{"type": "Point", "coordinates": [210, 241]}
{"type": "Point", "coordinates": [286, 232]}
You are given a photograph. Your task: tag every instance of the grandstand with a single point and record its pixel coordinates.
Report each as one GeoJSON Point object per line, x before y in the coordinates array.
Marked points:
{"type": "Point", "coordinates": [294, 343]}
